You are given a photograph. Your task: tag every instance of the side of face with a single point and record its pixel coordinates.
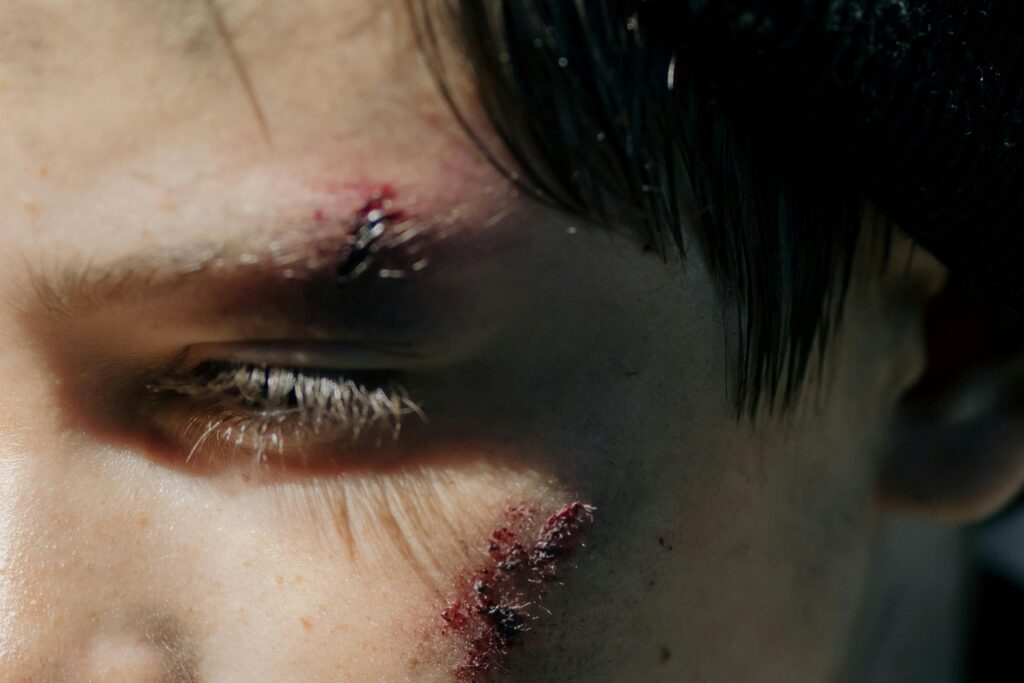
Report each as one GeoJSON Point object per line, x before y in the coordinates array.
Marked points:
{"type": "Point", "coordinates": [576, 422]}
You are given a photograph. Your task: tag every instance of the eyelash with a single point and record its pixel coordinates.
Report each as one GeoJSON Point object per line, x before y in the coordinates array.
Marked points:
{"type": "Point", "coordinates": [275, 410]}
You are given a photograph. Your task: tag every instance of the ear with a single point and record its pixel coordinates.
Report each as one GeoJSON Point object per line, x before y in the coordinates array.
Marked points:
{"type": "Point", "coordinates": [961, 471]}
{"type": "Point", "coordinates": [957, 448]}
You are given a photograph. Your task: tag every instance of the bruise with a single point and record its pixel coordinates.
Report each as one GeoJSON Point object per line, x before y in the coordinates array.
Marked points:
{"type": "Point", "coordinates": [498, 601]}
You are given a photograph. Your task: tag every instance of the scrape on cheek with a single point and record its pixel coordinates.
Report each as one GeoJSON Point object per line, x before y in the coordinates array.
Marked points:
{"type": "Point", "coordinates": [499, 601]}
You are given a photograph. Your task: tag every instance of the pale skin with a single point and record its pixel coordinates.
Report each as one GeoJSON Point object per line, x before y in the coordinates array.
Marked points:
{"type": "Point", "coordinates": [562, 364]}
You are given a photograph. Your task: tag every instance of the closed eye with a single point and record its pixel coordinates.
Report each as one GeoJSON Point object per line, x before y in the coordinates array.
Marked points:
{"type": "Point", "coordinates": [219, 412]}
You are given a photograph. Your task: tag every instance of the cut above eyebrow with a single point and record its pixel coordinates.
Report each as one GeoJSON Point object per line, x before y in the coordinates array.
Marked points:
{"type": "Point", "coordinates": [266, 270]}
{"type": "Point", "coordinates": [279, 293]}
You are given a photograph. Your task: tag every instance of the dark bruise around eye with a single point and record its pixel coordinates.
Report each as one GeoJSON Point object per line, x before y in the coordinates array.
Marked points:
{"type": "Point", "coordinates": [305, 345]}
{"type": "Point", "coordinates": [266, 410]}
{"type": "Point", "coordinates": [378, 275]}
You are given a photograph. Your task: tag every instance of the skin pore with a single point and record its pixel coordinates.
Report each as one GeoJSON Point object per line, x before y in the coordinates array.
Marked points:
{"type": "Point", "coordinates": [183, 178]}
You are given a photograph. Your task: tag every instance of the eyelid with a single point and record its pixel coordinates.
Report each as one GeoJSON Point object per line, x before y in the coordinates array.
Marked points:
{"type": "Point", "coordinates": [352, 356]}
{"type": "Point", "coordinates": [252, 411]}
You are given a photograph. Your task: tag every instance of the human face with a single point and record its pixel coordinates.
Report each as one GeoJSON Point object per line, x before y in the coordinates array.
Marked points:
{"type": "Point", "coordinates": [570, 497]}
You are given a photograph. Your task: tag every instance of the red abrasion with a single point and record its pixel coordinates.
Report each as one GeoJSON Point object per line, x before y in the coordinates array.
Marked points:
{"type": "Point", "coordinates": [368, 233]}
{"type": "Point", "coordinates": [502, 598]}
{"type": "Point", "coordinates": [380, 198]}
{"type": "Point", "coordinates": [378, 210]}
{"type": "Point", "coordinates": [379, 201]}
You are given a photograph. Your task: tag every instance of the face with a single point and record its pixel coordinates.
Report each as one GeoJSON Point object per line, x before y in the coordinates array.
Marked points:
{"type": "Point", "coordinates": [299, 388]}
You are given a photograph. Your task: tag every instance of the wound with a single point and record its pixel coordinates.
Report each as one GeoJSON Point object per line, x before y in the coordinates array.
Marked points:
{"type": "Point", "coordinates": [500, 601]}
{"type": "Point", "coordinates": [366, 234]}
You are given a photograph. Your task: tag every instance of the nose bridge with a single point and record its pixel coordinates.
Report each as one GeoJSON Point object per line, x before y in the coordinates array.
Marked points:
{"type": "Point", "coordinates": [75, 602]}
{"type": "Point", "coordinates": [8, 472]}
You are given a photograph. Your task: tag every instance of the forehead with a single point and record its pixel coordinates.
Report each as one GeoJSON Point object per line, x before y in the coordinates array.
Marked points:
{"type": "Point", "coordinates": [34, 28]}
{"type": "Point", "coordinates": [170, 60]}
{"type": "Point", "coordinates": [117, 107]}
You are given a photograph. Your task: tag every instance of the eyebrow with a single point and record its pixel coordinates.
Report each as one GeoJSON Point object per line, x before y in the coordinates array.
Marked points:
{"type": "Point", "coordinates": [81, 286]}
{"type": "Point", "coordinates": [78, 288]}
{"type": "Point", "coordinates": [286, 275]}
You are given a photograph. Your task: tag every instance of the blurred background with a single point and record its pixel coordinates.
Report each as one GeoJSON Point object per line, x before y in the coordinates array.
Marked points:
{"type": "Point", "coordinates": [996, 574]}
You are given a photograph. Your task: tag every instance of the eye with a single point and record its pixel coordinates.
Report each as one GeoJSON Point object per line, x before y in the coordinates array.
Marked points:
{"type": "Point", "coordinates": [221, 412]}
{"type": "Point", "coordinates": [304, 354]}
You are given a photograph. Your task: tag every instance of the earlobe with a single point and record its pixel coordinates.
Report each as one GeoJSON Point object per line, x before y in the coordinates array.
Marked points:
{"type": "Point", "coordinates": [958, 471]}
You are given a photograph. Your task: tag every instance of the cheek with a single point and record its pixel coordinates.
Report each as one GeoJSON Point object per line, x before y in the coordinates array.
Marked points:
{"type": "Point", "coordinates": [497, 601]}
{"type": "Point", "coordinates": [350, 578]}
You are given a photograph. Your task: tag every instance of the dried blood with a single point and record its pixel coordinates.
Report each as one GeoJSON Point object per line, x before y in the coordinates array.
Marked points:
{"type": "Point", "coordinates": [500, 599]}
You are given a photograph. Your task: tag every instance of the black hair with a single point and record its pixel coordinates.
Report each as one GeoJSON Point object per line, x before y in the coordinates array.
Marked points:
{"type": "Point", "coordinates": [766, 125]}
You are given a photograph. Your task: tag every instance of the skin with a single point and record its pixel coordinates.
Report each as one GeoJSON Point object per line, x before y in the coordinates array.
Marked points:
{"type": "Point", "coordinates": [562, 364]}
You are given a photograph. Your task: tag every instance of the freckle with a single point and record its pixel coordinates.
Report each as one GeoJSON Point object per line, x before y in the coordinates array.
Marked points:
{"type": "Point", "coordinates": [247, 563]}
{"type": "Point", "coordinates": [31, 207]}
{"type": "Point", "coordinates": [297, 579]}
{"type": "Point", "coordinates": [280, 580]}
{"type": "Point", "coordinates": [306, 623]}
{"type": "Point", "coordinates": [143, 522]}
{"type": "Point", "coordinates": [664, 654]}
{"type": "Point", "coordinates": [44, 172]}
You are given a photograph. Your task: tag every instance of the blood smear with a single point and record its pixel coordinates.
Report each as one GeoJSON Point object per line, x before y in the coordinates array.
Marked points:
{"type": "Point", "coordinates": [500, 600]}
